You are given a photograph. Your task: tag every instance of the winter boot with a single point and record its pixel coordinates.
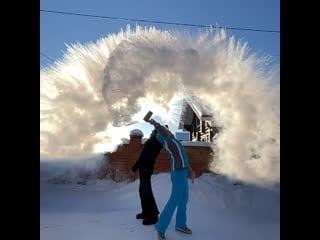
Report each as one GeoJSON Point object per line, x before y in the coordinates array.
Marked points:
{"type": "Point", "coordinates": [150, 220]}
{"type": "Point", "coordinates": [161, 236]}
{"type": "Point", "coordinates": [140, 216]}
{"type": "Point", "coordinates": [184, 230]}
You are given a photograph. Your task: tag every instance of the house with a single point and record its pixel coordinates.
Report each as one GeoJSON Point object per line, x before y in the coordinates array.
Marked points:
{"type": "Point", "coordinates": [194, 119]}
{"type": "Point", "coordinates": [197, 120]}
{"type": "Point", "coordinates": [118, 163]}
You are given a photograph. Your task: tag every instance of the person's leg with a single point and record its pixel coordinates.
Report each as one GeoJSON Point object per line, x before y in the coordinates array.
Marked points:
{"type": "Point", "coordinates": [181, 216]}
{"type": "Point", "coordinates": [154, 211]}
{"type": "Point", "coordinates": [177, 179]}
{"type": "Point", "coordinates": [150, 206]}
{"type": "Point", "coordinates": [151, 210]}
{"type": "Point", "coordinates": [145, 191]}
{"type": "Point", "coordinates": [143, 179]}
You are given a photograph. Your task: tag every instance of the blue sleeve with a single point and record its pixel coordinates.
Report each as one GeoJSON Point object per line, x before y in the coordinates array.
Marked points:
{"type": "Point", "coordinates": [160, 138]}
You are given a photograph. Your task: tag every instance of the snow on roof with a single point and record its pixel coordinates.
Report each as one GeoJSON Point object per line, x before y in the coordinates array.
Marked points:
{"type": "Point", "coordinates": [136, 133]}
{"type": "Point", "coordinates": [193, 104]}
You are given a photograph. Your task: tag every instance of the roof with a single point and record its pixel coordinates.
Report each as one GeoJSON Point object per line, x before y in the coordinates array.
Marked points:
{"type": "Point", "coordinates": [136, 133]}
{"type": "Point", "coordinates": [192, 105]}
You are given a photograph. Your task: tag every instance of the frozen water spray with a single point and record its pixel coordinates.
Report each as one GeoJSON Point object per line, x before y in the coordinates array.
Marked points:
{"type": "Point", "coordinates": [98, 85]}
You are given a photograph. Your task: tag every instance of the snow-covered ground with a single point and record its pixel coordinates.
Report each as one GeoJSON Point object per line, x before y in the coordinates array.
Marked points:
{"type": "Point", "coordinates": [102, 209]}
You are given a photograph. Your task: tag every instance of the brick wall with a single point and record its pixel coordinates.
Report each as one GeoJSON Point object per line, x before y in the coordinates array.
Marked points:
{"type": "Point", "coordinates": [119, 162]}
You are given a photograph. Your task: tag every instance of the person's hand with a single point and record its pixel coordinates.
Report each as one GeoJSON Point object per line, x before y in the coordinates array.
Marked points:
{"type": "Point", "coordinates": [152, 121]}
{"type": "Point", "coordinates": [134, 168]}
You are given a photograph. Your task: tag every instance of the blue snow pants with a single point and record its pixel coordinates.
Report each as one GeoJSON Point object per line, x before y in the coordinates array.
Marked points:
{"type": "Point", "coordinates": [178, 199]}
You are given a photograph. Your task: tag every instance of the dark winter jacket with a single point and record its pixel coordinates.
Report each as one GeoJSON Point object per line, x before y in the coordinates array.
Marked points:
{"type": "Point", "coordinates": [148, 155]}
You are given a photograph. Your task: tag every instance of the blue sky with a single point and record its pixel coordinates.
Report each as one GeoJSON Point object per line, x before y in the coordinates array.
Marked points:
{"type": "Point", "coordinates": [57, 30]}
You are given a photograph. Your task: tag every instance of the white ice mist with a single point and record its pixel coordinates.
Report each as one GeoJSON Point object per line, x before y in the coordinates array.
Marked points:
{"type": "Point", "coordinates": [108, 82]}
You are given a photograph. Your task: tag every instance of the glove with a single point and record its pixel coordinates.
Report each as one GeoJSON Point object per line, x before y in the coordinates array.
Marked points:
{"type": "Point", "coordinates": [152, 121]}
{"type": "Point", "coordinates": [134, 168]}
